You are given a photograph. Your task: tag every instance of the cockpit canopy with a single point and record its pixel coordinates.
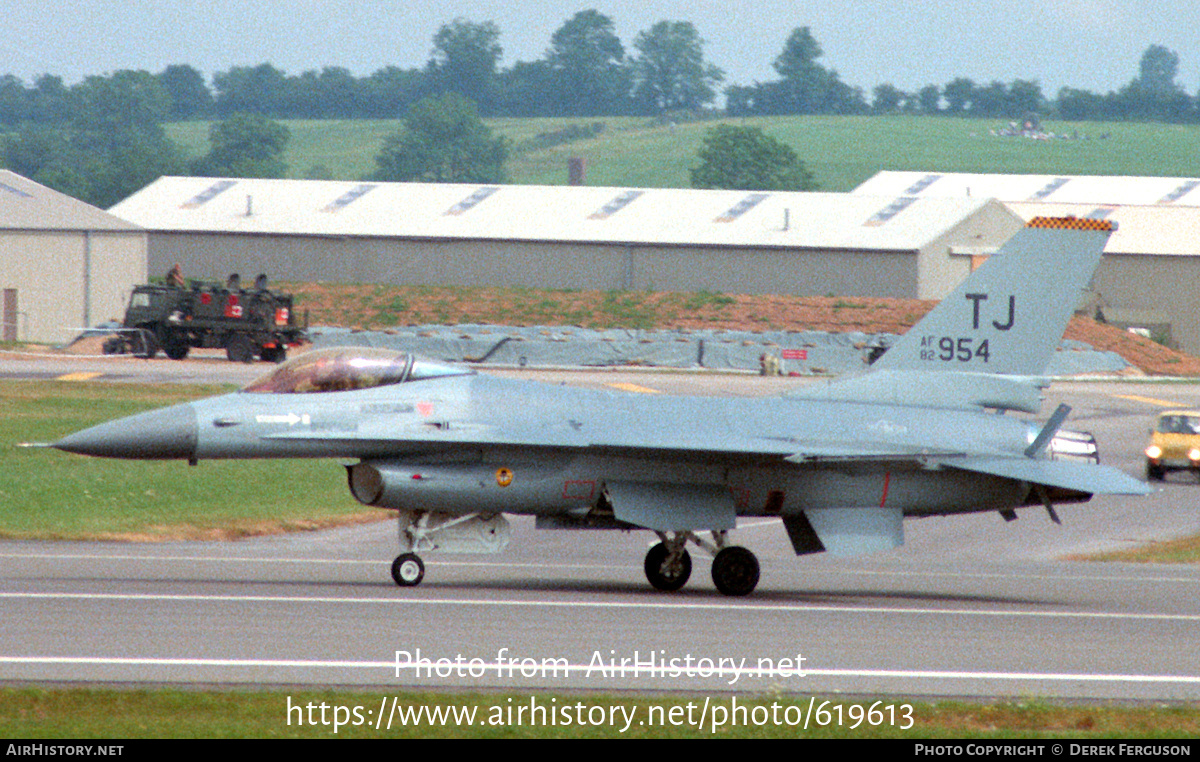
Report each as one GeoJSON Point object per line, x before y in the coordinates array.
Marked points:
{"type": "Point", "coordinates": [343, 369]}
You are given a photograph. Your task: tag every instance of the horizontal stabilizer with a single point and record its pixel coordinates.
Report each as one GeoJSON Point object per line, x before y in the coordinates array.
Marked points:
{"type": "Point", "coordinates": [672, 507]}
{"type": "Point", "coordinates": [1081, 477]}
{"type": "Point", "coordinates": [962, 390]}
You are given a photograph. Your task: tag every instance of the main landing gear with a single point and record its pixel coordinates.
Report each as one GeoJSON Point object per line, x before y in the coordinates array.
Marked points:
{"type": "Point", "coordinates": [668, 566]}
{"type": "Point", "coordinates": [734, 568]}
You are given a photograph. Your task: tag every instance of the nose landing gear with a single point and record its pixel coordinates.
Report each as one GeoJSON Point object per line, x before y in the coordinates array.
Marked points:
{"type": "Point", "coordinates": [408, 569]}
{"type": "Point", "coordinates": [428, 531]}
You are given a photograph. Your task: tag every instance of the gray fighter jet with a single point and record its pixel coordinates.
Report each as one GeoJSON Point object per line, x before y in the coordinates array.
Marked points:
{"type": "Point", "coordinates": [924, 432]}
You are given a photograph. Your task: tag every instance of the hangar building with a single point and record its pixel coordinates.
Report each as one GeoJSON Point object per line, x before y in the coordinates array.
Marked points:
{"type": "Point", "coordinates": [1151, 267]}
{"type": "Point", "coordinates": [64, 265]}
{"type": "Point", "coordinates": [566, 237]}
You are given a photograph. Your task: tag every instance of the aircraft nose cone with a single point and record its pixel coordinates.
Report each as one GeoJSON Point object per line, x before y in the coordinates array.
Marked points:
{"type": "Point", "coordinates": [163, 434]}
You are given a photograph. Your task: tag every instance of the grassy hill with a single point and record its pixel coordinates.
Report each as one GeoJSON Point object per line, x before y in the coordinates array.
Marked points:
{"type": "Point", "coordinates": [840, 151]}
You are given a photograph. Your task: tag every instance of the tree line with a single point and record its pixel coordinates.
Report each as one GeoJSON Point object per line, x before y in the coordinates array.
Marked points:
{"type": "Point", "coordinates": [102, 139]}
{"type": "Point", "coordinates": [106, 140]}
{"type": "Point", "coordinates": [587, 71]}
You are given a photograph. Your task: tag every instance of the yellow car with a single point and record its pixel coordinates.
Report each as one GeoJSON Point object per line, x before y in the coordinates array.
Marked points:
{"type": "Point", "coordinates": [1174, 444]}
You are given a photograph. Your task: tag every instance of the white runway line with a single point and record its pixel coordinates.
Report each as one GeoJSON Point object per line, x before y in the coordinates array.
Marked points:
{"type": "Point", "coordinates": [1088, 574]}
{"type": "Point", "coordinates": [656, 604]}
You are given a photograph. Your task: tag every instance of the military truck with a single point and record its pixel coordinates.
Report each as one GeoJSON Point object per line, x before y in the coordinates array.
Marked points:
{"type": "Point", "coordinates": [246, 323]}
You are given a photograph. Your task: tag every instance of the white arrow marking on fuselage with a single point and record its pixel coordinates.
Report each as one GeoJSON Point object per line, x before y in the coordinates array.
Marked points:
{"type": "Point", "coordinates": [291, 419]}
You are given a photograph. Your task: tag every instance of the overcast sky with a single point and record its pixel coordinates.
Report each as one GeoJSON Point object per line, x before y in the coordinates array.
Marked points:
{"type": "Point", "coordinates": [1093, 44]}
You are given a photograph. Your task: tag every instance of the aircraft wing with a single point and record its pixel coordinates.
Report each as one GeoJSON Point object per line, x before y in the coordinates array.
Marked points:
{"type": "Point", "coordinates": [813, 452]}
{"type": "Point", "coordinates": [793, 451]}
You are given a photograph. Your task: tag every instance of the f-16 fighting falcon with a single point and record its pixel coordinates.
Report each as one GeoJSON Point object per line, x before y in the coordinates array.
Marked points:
{"type": "Point", "coordinates": [926, 431]}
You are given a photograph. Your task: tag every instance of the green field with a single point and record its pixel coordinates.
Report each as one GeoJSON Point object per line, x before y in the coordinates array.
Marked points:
{"type": "Point", "coordinates": [50, 494]}
{"type": "Point", "coordinates": [842, 152]}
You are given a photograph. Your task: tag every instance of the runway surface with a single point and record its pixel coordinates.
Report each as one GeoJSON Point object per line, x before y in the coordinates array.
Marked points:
{"type": "Point", "coordinates": [970, 606]}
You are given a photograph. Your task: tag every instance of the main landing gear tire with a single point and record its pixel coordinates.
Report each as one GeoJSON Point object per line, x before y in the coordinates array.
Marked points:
{"type": "Point", "coordinates": [735, 571]}
{"type": "Point", "coordinates": [408, 570]}
{"type": "Point", "coordinates": [664, 576]}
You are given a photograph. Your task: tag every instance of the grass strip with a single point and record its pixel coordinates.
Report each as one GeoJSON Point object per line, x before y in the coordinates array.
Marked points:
{"type": "Point", "coordinates": [47, 494]}
{"type": "Point", "coordinates": [168, 713]}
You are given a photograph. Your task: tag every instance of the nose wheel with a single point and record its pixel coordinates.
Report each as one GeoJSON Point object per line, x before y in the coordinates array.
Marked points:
{"type": "Point", "coordinates": [408, 569]}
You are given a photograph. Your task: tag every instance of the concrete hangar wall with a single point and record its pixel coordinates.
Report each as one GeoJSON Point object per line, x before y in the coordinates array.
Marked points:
{"type": "Point", "coordinates": [566, 237]}
{"type": "Point", "coordinates": [64, 265]}
{"type": "Point", "coordinates": [1151, 265]}
{"type": "Point", "coordinates": [541, 264]}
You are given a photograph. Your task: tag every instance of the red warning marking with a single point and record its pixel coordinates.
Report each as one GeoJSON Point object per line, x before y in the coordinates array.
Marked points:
{"type": "Point", "coordinates": [579, 490]}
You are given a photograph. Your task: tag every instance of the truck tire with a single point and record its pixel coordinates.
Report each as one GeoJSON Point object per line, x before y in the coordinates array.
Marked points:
{"type": "Point", "coordinates": [239, 349]}
{"type": "Point", "coordinates": [145, 342]}
{"type": "Point", "coordinates": [176, 350]}
{"type": "Point", "coordinates": [275, 354]}
{"type": "Point", "coordinates": [173, 345]}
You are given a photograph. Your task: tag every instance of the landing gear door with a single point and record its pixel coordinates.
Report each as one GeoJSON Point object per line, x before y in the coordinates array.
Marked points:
{"type": "Point", "coordinates": [667, 507]}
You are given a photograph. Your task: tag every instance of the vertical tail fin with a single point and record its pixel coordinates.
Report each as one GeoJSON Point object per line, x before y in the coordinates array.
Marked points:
{"type": "Point", "coordinates": [1008, 316]}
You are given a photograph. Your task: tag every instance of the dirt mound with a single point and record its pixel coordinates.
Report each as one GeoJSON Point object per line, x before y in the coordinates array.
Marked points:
{"type": "Point", "coordinates": [1142, 353]}
{"type": "Point", "coordinates": [379, 307]}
